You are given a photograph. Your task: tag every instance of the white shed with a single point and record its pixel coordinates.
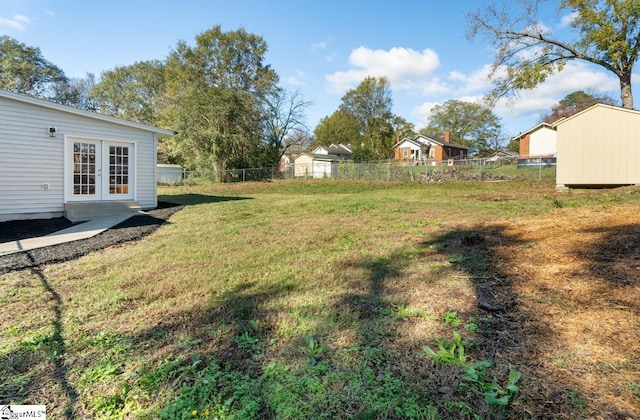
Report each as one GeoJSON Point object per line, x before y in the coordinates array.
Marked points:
{"type": "Point", "coordinates": [314, 165]}
{"type": "Point", "coordinates": [538, 141]}
{"type": "Point", "coordinates": [599, 146]}
{"type": "Point", "coordinates": [53, 155]}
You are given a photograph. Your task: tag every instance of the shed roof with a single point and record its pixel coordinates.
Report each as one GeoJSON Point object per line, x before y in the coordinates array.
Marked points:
{"type": "Point", "coordinates": [319, 156]}
{"type": "Point", "coordinates": [336, 149]}
{"type": "Point", "coordinates": [162, 133]}
{"type": "Point", "coordinates": [591, 108]}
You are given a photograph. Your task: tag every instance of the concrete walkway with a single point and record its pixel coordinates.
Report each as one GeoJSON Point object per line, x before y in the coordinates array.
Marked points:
{"type": "Point", "coordinates": [80, 231]}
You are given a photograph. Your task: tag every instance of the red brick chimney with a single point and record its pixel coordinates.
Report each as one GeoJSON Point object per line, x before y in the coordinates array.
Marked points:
{"type": "Point", "coordinates": [447, 137]}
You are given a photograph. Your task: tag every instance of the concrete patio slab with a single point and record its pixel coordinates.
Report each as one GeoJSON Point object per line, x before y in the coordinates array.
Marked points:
{"type": "Point", "coordinates": [80, 231]}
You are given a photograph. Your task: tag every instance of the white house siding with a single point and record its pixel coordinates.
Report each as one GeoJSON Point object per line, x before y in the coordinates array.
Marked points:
{"type": "Point", "coordinates": [599, 146]}
{"type": "Point", "coordinates": [543, 142]}
{"type": "Point", "coordinates": [409, 145]}
{"type": "Point", "coordinates": [30, 158]}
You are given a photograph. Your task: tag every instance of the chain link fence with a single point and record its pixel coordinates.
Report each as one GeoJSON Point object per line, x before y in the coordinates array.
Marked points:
{"type": "Point", "coordinates": [488, 169]}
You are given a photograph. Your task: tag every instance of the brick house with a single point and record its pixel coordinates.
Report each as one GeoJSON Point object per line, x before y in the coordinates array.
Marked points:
{"type": "Point", "coordinates": [424, 150]}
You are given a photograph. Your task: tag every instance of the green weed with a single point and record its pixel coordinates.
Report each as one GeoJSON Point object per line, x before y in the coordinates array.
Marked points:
{"type": "Point", "coordinates": [496, 394]}
{"type": "Point", "coordinates": [313, 349]}
{"type": "Point", "coordinates": [245, 341]}
{"type": "Point", "coordinates": [215, 393]}
{"type": "Point", "coordinates": [449, 353]}
{"type": "Point", "coordinates": [472, 325]}
{"type": "Point", "coordinates": [577, 400]}
{"type": "Point", "coordinates": [452, 318]}
{"type": "Point", "coordinates": [403, 312]}
{"type": "Point", "coordinates": [634, 388]}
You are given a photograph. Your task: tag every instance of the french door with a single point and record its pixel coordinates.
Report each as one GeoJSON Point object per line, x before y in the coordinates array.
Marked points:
{"type": "Point", "coordinates": [100, 170]}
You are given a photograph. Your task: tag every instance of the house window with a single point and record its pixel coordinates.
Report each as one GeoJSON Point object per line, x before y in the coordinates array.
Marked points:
{"type": "Point", "coordinates": [405, 153]}
{"type": "Point", "coordinates": [432, 153]}
{"type": "Point", "coordinates": [448, 151]}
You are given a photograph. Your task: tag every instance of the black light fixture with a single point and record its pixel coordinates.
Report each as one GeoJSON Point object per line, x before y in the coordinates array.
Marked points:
{"type": "Point", "coordinates": [52, 131]}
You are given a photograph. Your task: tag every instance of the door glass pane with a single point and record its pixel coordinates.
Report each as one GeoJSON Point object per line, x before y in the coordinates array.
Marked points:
{"type": "Point", "coordinates": [118, 165]}
{"type": "Point", "coordinates": [84, 168]}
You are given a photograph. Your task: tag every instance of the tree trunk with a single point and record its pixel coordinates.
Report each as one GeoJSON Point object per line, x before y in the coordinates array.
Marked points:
{"type": "Point", "coordinates": [625, 91]}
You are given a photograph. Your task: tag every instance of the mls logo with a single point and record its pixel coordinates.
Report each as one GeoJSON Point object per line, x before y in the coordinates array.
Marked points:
{"type": "Point", "coordinates": [10, 412]}
{"type": "Point", "coordinates": [5, 412]}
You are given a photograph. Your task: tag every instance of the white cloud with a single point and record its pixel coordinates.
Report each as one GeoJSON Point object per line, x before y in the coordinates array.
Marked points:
{"type": "Point", "coordinates": [293, 80]}
{"type": "Point", "coordinates": [18, 22]}
{"type": "Point", "coordinates": [297, 79]}
{"type": "Point", "coordinates": [575, 76]}
{"type": "Point", "coordinates": [478, 81]}
{"type": "Point", "coordinates": [321, 45]}
{"type": "Point", "coordinates": [567, 20]}
{"type": "Point", "coordinates": [538, 28]}
{"type": "Point", "coordinates": [406, 69]}
{"type": "Point", "coordinates": [422, 112]}
{"type": "Point", "coordinates": [435, 87]}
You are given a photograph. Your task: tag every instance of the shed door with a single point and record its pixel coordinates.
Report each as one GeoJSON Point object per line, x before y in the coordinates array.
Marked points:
{"type": "Point", "coordinates": [100, 170]}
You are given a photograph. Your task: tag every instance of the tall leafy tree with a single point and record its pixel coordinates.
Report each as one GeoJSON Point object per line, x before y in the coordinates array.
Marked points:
{"type": "Point", "coordinates": [76, 92]}
{"type": "Point", "coordinates": [24, 70]}
{"type": "Point", "coordinates": [217, 90]}
{"type": "Point", "coordinates": [340, 127]}
{"type": "Point", "coordinates": [402, 128]}
{"type": "Point", "coordinates": [576, 102]}
{"type": "Point", "coordinates": [468, 123]}
{"type": "Point", "coordinates": [370, 103]}
{"type": "Point", "coordinates": [233, 60]}
{"type": "Point", "coordinates": [605, 33]}
{"type": "Point", "coordinates": [135, 92]}
{"type": "Point", "coordinates": [218, 129]}
{"type": "Point", "coordinates": [284, 123]}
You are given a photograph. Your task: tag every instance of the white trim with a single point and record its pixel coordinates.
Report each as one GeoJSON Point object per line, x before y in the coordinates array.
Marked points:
{"type": "Point", "coordinates": [155, 165]}
{"type": "Point", "coordinates": [65, 168]}
{"type": "Point", "coordinates": [67, 179]}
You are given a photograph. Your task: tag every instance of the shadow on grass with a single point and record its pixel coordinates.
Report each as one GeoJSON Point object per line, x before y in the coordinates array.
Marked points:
{"type": "Point", "coordinates": [48, 350]}
{"type": "Point", "coordinates": [616, 257]}
{"type": "Point", "coordinates": [515, 337]}
{"type": "Point", "coordinates": [195, 199]}
{"type": "Point", "coordinates": [227, 331]}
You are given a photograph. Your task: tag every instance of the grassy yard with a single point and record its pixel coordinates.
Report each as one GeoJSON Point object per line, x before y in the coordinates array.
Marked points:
{"type": "Point", "coordinates": [322, 299]}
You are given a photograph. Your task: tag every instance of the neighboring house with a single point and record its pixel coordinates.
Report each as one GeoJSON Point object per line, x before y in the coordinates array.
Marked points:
{"type": "Point", "coordinates": [343, 151]}
{"type": "Point", "coordinates": [290, 154]}
{"type": "Point", "coordinates": [502, 156]}
{"type": "Point", "coordinates": [538, 141]}
{"type": "Point", "coordinates": [425, 150]}
{"type": "Point", "coordinates": [322, 162]}
{"type": "Point", "coordinates": [599, 146]}
{"type": "Point", "coordinates": [53, 155]}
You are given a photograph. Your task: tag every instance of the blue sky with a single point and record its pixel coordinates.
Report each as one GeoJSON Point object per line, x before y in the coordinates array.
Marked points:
{"type": "Point", "coordinates": [321, 48]}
